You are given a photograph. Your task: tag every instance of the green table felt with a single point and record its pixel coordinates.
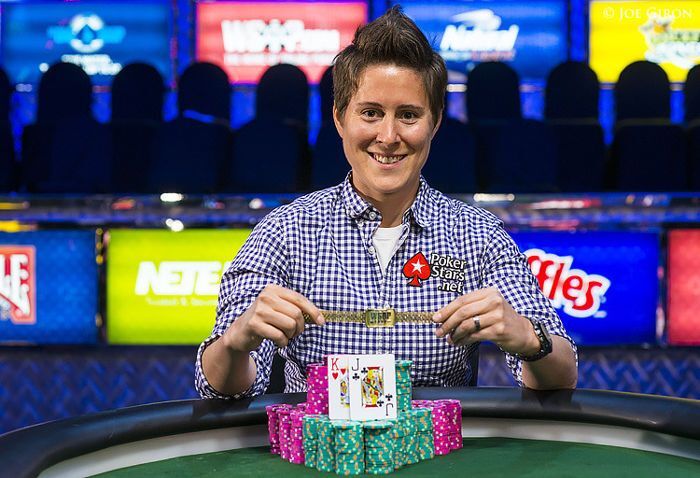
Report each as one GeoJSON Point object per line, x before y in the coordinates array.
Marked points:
{"type": "Point", "coordinates": [480, 457]}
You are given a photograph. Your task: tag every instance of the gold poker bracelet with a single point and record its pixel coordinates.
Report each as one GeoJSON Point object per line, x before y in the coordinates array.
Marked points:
{"type": "Point", "coordinates": [374, 317]}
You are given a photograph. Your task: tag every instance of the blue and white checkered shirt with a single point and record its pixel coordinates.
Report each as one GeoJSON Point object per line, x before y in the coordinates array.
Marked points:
{"type": "Point", "coordinates": [320, 245]}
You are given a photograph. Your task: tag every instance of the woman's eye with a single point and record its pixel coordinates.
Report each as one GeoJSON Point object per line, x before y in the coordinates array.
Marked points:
{"type": "Point", "coordinates": [409, 115]}
{"type": "Point", "coordinates": [370, 113]}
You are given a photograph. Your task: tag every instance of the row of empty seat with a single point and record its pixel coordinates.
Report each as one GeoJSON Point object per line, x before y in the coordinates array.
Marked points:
{"type": "Point", "coordinates": [67, 151]}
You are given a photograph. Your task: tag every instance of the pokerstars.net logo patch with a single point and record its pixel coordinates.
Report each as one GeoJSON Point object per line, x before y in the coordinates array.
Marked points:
{"type": "Point", "coordinates": [450, 271]}
{"type": "Point", "coordinates": [577, 292]}
{"type": "Point", "coordinates": [17, 284]}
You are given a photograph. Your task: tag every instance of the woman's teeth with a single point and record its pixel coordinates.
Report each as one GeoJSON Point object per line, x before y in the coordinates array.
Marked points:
{"type": "Point", "coordinates": [388, 159]}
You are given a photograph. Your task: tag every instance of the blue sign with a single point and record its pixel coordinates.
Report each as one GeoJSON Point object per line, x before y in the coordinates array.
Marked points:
{"type": "Point", "coordinates": [48, 287]}
{"type": "Point", "coordinates": [531, 36]}
{"type": "Point", "coordinates": [603, 284]}
{"type": "Point", "coordinates": [101, 37]}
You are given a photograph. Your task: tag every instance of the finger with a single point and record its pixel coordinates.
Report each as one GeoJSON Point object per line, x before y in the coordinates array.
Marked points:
{"type": "Point", "coordinates": [465, 312]}
{"type": "Point", "coordinates": [475, 296]}
{"type": "Point", "coordinates": [293, 311]}
{"type": "Point", "coordinates": [304, 304]}
{"type": "Point", "coordinates": [282, 322]}
{"type": "Point", "coordinates": [467, 329]}
{"type": "Point", "coordinates": [267, 331]}
{"type": "Point", "coordinates": [466, 341]}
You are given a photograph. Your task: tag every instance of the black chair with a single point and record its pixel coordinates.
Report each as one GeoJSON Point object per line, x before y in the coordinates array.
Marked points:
{"type": "Point", "coordinates": [328, 164]}
{"type": "Point", "coordinates": [191, 153]}
{"type": "Point", "coordinates": [648, 151]}
{"type": "Point", "coordinates": [512, 154]}
{"type": "Point", "coordinates": [271, 152]}
{"type": "Point", "coordinates": [451, 164]}
{"type": "Point", "coordinates": [8, 166]}
{"type": "Point", "coordinates": [493, 93]}
{"type": "Point", "coordinates": [642, 92]}
{"type": "Point", "coordinates": [691, 103]}
{"type": "Point", "coordinates": [137, 112]}
{"type": "Point", "coordinates": [571, 112]}
{"type": "Point", "coordinates": [66, 150]}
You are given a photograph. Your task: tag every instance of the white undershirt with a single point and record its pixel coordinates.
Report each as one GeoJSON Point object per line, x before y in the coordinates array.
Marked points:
{"type": "Point", "coordinates": [384, 241]}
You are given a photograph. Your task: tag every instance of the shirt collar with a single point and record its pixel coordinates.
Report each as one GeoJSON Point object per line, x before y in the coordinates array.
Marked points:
{"type": "Point", "coordinates": [422, 210]}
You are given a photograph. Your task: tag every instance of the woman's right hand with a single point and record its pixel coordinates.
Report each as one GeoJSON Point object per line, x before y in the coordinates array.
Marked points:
{"type": "Point", "coordinates": [276, 314]}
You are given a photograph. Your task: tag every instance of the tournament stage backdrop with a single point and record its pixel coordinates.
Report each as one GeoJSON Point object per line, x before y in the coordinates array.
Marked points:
{"type": "Point", "coordinates": [603, 284]}
{"type": "Point", "coordinates": [48, 287]}
{"type": "Point", "coordinates": [245, 38]}
{"type": "Point", "coordinates": [162, 286]}
{"type": "Point", "coordinates": [101, 37]}
{"type": "Point", "coordinates": [531, 36]}
{"type": "Point", "coordinates": [663, 32]}
{"type": "Point", "coordinates": [683, 287]}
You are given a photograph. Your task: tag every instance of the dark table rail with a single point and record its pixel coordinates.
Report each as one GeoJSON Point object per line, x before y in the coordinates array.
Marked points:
{"type": "Point", "coordinates": [28, 451]}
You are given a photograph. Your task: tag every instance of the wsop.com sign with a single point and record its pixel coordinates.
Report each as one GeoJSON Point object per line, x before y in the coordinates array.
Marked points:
{"type": "Point", "coordinates": [603, 284]}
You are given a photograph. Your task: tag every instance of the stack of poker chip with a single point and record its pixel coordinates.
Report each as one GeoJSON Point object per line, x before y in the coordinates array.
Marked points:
{"type": "Point", "coordinates": [445, 431]}
{"type": "Point", "coordinates": [317, 389]}
{"type": "Point", "coordinates": [310, 438]}
{"type": "Point", "coordinates": [454, 422]}
{"type": "Point", "coordinates": [399, 436]}
{"type": "Point", "coordinates": [349, 447]}
{"type": "Point", "coordinates": [305, 434]}
{"type": "Point", "coordinates": [285, 431]}
{"type": "Point", "coordinates": [273, 426]}
{"type": "Point", "coordinates": [379, 447]}
{"type": "Point", "coordinates": [296, 437]}
{"type": "Point", "coordinates": [325, 451]}
{"type": "Point", "coordinates": [403, 385]}
{"type": "Point", "coordinates": [423, 420]}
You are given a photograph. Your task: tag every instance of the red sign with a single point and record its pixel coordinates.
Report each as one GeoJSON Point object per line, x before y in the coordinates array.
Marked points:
{"type": "Point", "coordinates": [683, 324]}
{"type": "Point", "coordinates": [17, 289]}
{"type": "Point", "coordinates": [245, 38]}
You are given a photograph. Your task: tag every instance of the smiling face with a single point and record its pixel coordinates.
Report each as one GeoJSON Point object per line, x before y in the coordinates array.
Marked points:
{"type": "Point", "coordinates": [386, 129]}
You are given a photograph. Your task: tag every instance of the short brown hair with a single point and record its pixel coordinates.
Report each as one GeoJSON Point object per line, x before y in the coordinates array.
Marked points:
{"type": "Point", "coordinates": [395, 39]}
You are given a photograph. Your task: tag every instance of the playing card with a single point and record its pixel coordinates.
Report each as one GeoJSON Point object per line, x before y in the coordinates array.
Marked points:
{"type": "Point", "coordinates": [372, 387]}
{"type": "Point", "coordinates": [338, 388]}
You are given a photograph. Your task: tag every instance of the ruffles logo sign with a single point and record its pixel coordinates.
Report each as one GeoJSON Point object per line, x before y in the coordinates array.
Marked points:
{"type": "Point", "coordinates": [668, 45]}
{"type": "Point", "coordinates": [17, 291]}
{"type": "Point", "coordinates": [577, 292]}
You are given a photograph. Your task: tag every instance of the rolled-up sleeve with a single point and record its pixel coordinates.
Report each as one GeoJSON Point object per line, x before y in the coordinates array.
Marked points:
{"type": "Point", "coordinates": [505, 268]}
{"type": "Point", "coordinates": [261, 261]}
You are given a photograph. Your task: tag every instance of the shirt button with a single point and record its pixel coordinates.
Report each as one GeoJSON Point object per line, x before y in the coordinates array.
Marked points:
{"type": "Point", "coordinates": [371, 250]}
{"type": "Point", "coordinates": [372, 215]}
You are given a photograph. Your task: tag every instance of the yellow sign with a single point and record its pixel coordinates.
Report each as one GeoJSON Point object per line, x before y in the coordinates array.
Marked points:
{"type": "Point", "coordinates": [664, 32]}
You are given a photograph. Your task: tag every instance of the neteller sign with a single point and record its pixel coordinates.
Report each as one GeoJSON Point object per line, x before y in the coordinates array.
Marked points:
{"type": "Point", "coordinates": [162, 286]}
{"type": "Point", "coordinates": [245, 38]}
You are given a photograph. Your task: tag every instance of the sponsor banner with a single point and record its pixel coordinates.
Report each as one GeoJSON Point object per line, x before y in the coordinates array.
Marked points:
{"type": "Point", "coordinates": [663, 32]}
{"type": "Point", "coordinates": [530, 36]}
{"type": "Point", "coordinates": [48, 287]}
{"type": "Point", "coordinates": [604, 285]}
{"type": "Point", "coordinates": [100, 37]}
{"type": "Point", "coordinates": [245, 38]}
{"type": "Point", "coordinates": [683, 326]}
{"type": "Point", "coordinates": [162, 286]}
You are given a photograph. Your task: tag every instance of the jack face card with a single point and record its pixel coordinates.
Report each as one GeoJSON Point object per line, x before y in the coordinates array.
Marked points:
{"type": "Point", "coordinates": [338, 388]}
{"type": "Point", "coordinates": [372, 387]}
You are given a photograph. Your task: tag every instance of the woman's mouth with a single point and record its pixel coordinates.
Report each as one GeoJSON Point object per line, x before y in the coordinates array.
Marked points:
{"type": "Point", "coordinates": [388, 159]}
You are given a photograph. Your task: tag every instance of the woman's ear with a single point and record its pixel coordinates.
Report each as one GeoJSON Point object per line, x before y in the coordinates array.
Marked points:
{"type": "Point", "coordinates": [437, 125]}
{"type": "Point", "coordinates": [337, 120]}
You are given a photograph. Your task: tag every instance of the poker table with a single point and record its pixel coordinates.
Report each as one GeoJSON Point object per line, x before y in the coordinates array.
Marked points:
{"type": "Point", "coordinates": [507, 431]}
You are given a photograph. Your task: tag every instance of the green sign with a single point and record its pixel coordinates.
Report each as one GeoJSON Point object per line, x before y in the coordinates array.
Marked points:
{"type": "Point", "coordinates": [162, 286]}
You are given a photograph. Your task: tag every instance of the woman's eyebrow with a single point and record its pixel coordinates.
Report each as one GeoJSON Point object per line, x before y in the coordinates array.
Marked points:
{"type": "Point", "coordinates": [372, 104]}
